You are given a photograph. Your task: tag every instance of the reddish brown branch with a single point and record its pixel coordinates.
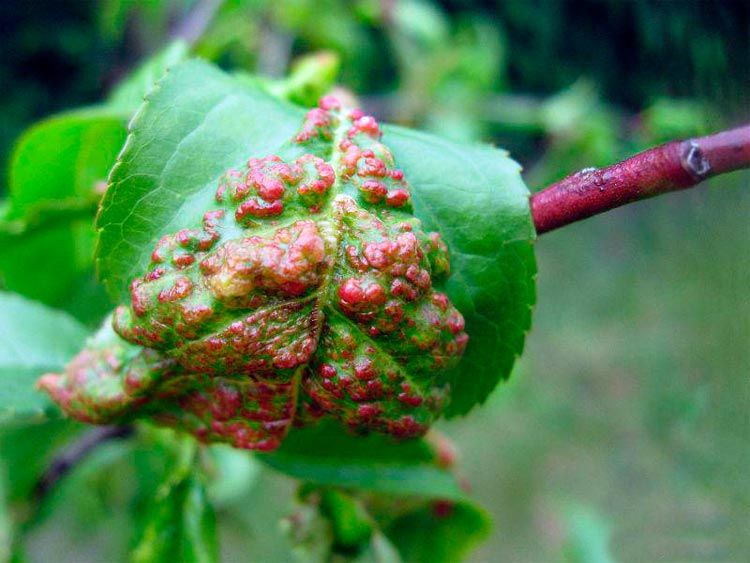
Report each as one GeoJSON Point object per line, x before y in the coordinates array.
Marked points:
{"type": "Point", "coordinates": [673, 166]}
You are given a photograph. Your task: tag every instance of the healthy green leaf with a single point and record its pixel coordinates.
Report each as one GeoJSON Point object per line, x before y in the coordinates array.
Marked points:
{"type": "Point", "coordinates": [330, 524]}
{"type": "Point", "coordinates": [198, 122]}
{"type": "Point", "coordinates": [20, 260]}
{"type": "Point", "coordinates": [33, 340]}
{"type": "Point", "coordinates": [181, 525]}
{"type": "Point", "coordinates": [64, 157]}
{"type": "Point", "coordinates": [351, 524]}
{"type": "Point", "coordinates": [310, 77]}
{"type": "Point", "coordinates": [55, 170]}
{"type": "Point", "coordinates": [440, 533]}
{"type": "Point", "coordinates": [128, 94]}
{"type": "Point", "coordinates": [328, 455]}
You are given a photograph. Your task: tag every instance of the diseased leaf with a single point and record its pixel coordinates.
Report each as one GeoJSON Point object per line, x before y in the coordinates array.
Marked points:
{"type": "Point", "coordinates": [33, 340]}
{"type": "Point", "coordinates": [316, 253]}
{"type": "Point", "coordinates": [198, 123]}
{"type": "Point", "coordinates": [327, 455]}
{"type": "Point", "coordinates": [475, 198]}
{"type": "Point", "coordinates": [442, 532]}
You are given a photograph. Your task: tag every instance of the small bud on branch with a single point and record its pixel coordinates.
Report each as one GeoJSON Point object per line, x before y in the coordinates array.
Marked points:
{"type": "Point", "coordinates": [673, 166]}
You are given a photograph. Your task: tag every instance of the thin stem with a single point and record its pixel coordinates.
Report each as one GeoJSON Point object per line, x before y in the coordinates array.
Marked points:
{"type": "Point", "coordinates": [75, 453]}
{"type": "Point", "coordinates": [673, 166]}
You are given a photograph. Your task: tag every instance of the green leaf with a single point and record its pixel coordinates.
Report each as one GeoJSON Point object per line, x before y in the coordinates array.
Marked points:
{"type": "Point", "coordinates": [351, 524]}
{"type": "Point", "coordinates": [310, 77]}
{"type": "Point", "coordinates": [181, 525]}
{"type": "Point", "coordinates": [55, 170]}
{"type": "Point", "coordinates": [474, 197]}
{"type": "Point", "coordinates": [33, 340]}
{"type": "Point", "coordinates": [198, 122]}
{"type": "Point", "coordinates": [328, 455]}
{"type": "Point", "coordinates": [588, 536]}
{"type": "Point", "coordinates": [331, 523]}
{"type": "Point", "coordinates": [129, 93]}
{"type": "Point", "coordinates": [63, 157]}
{"type": "Point", "coordinates": [440, 533]}
{"type": "Point", "coordinates": [20, 260]}
{"type": "Point", "coordinates": [6, 524]}
{"type": "Point", "coordinates": [195, 124]}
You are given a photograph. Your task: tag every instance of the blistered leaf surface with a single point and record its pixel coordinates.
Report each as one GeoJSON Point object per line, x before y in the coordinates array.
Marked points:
{"type": "Point", "coordinates": [296, 283]}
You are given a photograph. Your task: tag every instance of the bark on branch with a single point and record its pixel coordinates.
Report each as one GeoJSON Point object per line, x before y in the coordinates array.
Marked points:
{"type": "Point", "coordinates": [673, 166]}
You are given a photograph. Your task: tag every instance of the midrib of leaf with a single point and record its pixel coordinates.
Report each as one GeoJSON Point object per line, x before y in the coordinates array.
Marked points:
{"type": "Point", "coordinates": [337, 223]}
{"type": "Point", "coordinates": [324, 304]}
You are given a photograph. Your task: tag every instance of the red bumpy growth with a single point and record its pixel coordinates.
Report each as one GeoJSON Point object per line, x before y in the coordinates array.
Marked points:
{"type": "Point", "coordinates": [308, 291]}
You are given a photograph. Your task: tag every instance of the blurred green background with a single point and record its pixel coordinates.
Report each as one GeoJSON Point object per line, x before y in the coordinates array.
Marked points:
{"type": "Point", "coordinates": [625, 432]}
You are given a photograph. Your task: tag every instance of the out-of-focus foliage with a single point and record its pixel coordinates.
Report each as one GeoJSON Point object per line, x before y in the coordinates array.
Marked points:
{"type": "Point", "coordinates": [65, 53]}
{"type": "Point", "coordinates": [180, 522]}
{"type": "Point", "coordinates": [623, 436]}
{"type": "Point", "coordinates": [332, 524]}
{"type": "Point", "coordinates": [59, 183]}
{"type": "Point", "coordinates": [58, 175]}
{"type": "Point", "coordinates": [33, 339]}
{"type": "Point", "coordinates": [6, 531]}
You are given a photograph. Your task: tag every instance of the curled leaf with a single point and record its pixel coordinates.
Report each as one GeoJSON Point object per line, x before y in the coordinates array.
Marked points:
{"type": "Point", "coordinates": [307, 290]}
